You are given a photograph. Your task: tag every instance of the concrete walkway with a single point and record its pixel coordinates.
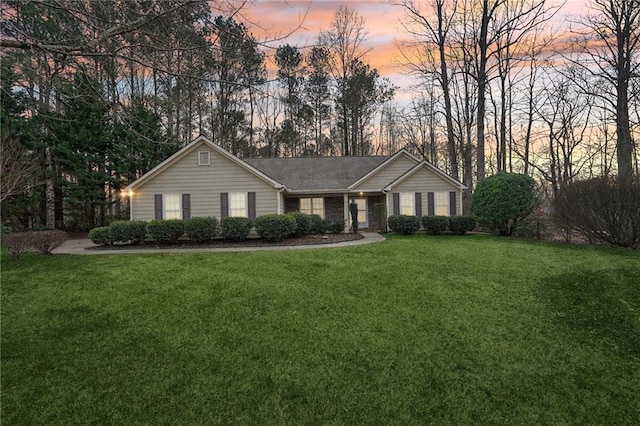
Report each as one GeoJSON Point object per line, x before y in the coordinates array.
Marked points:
{"type": "Point", "coordinates": [79, 246]}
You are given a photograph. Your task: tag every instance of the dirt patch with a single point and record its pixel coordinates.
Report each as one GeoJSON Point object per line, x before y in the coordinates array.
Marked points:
{"type": "Point", "coordinates": [251, 242]}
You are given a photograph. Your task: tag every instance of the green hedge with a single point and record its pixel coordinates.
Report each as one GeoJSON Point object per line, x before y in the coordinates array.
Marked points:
{"type": "Point", "coordinates": [100, 236]}
{"type": "Point", "coordinates": [334, 226]}
{"type": "Point", "coordinates": [275, 227]}
{"type": "Point", "coordinates": [235, 228]}
{"type": "Point", "coordinates": [318, 225]}
{"type": "Point", "coordinates": [434, 225]}
{"type": "Point", "coordinates": [201, 229]}
{"type": "Point", "coordinates": [501, 201]}
{"type": "Point", "coordinates": [125, 231]}
{"type": "Point", "coordinates": [166, 230]}
{"type": "Point", "coordinates": [403, 224]}
{"type": "Point", "coordinates": [461, 224]}
{"type": "Point", "coordinates": [304, 225]}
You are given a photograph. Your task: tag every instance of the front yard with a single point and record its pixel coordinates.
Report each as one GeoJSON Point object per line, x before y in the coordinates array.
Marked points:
{"type": "Point", "coordinates": [416, 330]}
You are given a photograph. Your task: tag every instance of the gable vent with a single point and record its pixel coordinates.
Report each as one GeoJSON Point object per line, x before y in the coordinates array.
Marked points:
{"type": "Point", "coordinates": [204, 158]}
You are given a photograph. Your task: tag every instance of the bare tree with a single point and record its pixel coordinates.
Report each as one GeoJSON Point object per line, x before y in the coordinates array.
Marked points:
{"type": "Point", "coordinates": [17, 169]}
{"type": "Point", "coordinates": [433, 34]}
{"type": "Point", "coordinates": [611, 39]}
{"type": "Point", "coordinates": [490, 21]}
{"type": "Point", "coordinates": [345, 40]}
{"type": "Point", "coordinates": [567, 113]}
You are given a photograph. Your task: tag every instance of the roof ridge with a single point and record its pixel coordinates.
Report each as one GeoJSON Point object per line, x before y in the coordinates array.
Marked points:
{"type": "Point", "coordinates": [316, 158]}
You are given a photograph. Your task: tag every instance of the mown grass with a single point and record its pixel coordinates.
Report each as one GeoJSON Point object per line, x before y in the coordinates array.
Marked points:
{"type": "Point", "coordinates": [416, 330]}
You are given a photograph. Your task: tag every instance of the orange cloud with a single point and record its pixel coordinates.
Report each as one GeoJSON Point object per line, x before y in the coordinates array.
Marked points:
{"type": "Point", "coordinates": [299, 23]}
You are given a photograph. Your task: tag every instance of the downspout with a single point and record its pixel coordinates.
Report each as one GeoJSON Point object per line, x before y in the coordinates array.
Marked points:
{"type": "Point", "coordinates": [279, 192]}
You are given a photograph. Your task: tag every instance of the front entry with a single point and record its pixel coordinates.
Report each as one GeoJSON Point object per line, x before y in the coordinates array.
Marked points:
{"type": "Point", "coordinates": [363, 216]}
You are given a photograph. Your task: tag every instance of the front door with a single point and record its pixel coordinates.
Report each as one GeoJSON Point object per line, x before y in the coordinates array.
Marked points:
{"type": "Point", "coordinates": [363, 216]}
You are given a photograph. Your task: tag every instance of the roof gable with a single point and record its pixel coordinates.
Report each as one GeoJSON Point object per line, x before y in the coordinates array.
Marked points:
{"type": "Point", "coordinates": [198, 142]}
{"type": "Point", "coordinates": [428, 166]}
{"type": "Point", "coordinates": [386, 165]}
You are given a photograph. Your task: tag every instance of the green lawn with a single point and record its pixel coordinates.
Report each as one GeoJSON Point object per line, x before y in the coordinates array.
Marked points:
{"type": "Point", "coordinates": [416, 330]}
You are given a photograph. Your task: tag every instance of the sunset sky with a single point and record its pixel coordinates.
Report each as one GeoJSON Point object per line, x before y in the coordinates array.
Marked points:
{"type": "Point", "coordinates": [273, 19]}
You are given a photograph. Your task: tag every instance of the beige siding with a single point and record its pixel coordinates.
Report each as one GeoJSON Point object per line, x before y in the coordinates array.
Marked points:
{"type": "Point", "coordinates": [204, 183]}
{"type": "Point", "coordinates": [388, 174]}
{"type": "Point", "coordinates": [424, 181]}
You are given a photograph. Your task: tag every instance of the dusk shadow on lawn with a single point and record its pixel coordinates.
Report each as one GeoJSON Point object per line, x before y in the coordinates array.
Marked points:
{"type": "Point", "coordinates": [598, 306]}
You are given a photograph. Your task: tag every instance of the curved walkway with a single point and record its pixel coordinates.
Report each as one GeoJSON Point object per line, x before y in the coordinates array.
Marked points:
{"type": "Point", "coordinates": [79, 246]}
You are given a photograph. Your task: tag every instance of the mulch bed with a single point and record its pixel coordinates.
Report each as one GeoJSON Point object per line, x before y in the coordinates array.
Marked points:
{"type": "Point", "coordinates": [251, 242]}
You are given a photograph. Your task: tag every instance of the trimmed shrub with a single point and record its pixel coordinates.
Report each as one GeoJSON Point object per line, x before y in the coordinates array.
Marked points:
{"type": "Point", "coordinates": [166, 230]}
{"type": "Point", "coordinates": [335, 226]}
{"type": "Point", "coordinates": [41, 241]}
{"type": "Point", "coordinates": [275, 227]}
{"type": "Point", "coordinates": [403, 224]}
{"type": "Point", "coordinates": [124, 231]}
{"type": "Point", "coordinates": [501, 201]}
{"type": "Point", "coordinates": [201, 229]}
{"type": "Point", "coordinates": [318, 225]}
{"type": "Point", "coordinates": [461, 224]}
{"type": "Point", "coordinates": [304, 225]}
{"type": "Point", "coordinates": [235, 228]}
{"type": "Point", "coordinates": [434, 225]}
{"type": "Point", "coordinates": [100, 236]}
{"type": "Point", "coordinates": [602, 211]}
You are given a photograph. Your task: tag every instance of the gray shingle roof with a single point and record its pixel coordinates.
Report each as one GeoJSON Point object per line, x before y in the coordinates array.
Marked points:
{"type": "Point", "coordinates": [316, 173]}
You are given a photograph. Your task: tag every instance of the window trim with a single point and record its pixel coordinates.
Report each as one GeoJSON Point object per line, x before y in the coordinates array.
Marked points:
{"type": "Point", "coordinates": [164, 205]}
{"type": "Point", "coordinates": [407, 196]}
{"type": "Point", "coordinates": [320, 210]}
{"type": "Point", "coordinates": [231, 196]}
{"type": "Point", "coordinates": [444, 198]}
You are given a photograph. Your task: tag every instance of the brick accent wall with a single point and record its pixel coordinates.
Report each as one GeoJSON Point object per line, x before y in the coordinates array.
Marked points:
{"type": "Point", "coordinates": [291, 205]}
{"type": "Point", "coordinates": [372, 212]}
{"type": "Point", "coordinates": [334, 208]}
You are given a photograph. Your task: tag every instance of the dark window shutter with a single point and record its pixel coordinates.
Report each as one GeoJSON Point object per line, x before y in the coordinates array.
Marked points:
{"type": "Point", "coordinates": [186, 206]}
{"type": "Point", "coordinates": [396, 203]}
{"type": "Point", "coordinates": [158, 206]}
{"type": "Point", "coordinates": [251, 201]}
{"type": "Point", "coordinates": [431, 204]}
{"type": "Point", "coordinates": [224, 205]}
{"type": "Point", "coordinates": [452, 203]}
{"type": "Point", "coordinates": [418, 206]}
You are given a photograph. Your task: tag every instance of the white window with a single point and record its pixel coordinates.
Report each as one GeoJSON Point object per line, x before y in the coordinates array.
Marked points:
{"type": "Point", "coordinates": [204, 158]}
{"type": "Point", "coordinates": [172, 204]}
{"type": "Point", "coordinates": [407, 203]}
{"type": "Point", "coordinates": [312, 206]}
{"type": "Point", "coordinates": [238, 204]}
{"type": "Point", "coordinates": [441, 203]}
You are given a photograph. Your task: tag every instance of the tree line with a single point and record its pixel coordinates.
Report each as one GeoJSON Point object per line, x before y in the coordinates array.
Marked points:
{"type": "Point", "coordinates": [94, 94]}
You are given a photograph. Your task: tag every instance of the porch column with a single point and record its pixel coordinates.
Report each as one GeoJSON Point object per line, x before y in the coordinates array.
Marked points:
{"type": "Point", "coordinates": [346, 212]}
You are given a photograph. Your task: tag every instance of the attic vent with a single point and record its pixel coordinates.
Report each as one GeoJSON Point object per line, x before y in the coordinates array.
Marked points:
{"type": "Point", "coordinates": [204, 158]}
